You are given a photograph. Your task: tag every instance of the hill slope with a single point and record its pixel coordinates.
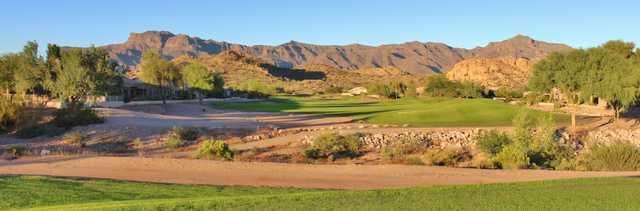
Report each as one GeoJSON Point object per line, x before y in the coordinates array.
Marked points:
{"type": "Point", "coordinates": [414, 57]}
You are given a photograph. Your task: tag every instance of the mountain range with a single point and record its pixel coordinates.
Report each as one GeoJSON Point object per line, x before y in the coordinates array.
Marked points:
{"type": "Point", "coordinates": [419, 58]}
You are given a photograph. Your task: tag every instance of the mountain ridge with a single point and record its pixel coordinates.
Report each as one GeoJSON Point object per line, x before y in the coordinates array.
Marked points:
{"type": "Point", "coordinates": [415, 57]}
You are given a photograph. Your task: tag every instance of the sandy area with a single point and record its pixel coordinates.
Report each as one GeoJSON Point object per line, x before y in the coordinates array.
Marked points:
{"type": "Point", "coordinates": [184, 171]}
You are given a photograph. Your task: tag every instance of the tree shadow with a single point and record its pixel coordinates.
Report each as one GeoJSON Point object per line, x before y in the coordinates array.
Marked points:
{"type": "Point", "coordinates": [292, 73]}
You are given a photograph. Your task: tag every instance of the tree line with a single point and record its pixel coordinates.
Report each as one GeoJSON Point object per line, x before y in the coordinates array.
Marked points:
{"type": "Point", "coordinates": [609, 72]}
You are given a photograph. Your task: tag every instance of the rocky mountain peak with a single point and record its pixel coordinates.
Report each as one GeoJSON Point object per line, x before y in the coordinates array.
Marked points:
{"type": "Point", "coordinates": [414, 57]}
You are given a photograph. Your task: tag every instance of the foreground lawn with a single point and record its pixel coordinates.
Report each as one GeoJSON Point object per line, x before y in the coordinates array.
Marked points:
{"type": "Point", "coordinates": [433, 112]}
{"type": "Point", "coordinates": [62, 194]}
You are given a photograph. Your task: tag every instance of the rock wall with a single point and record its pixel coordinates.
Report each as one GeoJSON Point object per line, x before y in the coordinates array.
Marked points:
{"type": "Point", "coordinates": [433, 139]}
{"type": "Point", "coordinates": [614, 134]}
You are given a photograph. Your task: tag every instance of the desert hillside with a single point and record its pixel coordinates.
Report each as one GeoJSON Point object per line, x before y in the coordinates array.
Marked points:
{"type": "Point", "coordinates": [418, 58]}
{"type": "Point", "coordinates": [493, 73]}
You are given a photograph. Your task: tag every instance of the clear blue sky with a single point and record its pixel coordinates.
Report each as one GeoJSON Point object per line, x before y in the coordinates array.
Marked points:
{"type": "Point", "coordinates": [457, 22]}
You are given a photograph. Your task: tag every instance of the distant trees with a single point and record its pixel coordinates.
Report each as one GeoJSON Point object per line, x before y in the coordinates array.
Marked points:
{"type": "Point", "coordinates": [155, 70]}
{"type": "Point", "coordinates": [610, 72]}
{"type": "Point", "coordinates": [441, 86]}
{"type": "Point", "coordinates": [198, 78]}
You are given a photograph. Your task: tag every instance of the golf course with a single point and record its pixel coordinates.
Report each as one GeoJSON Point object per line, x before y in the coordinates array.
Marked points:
{"type": "Point", "coordinates": [424, 112]}
{"type": "Point", "coordinates": [46, 193]}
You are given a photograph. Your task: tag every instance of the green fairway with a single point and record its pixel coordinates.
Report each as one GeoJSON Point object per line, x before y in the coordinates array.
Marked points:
{"type": "Point", "coordinates": [433, 112]}
{"type": "Point", "coordinates": [42, 193]}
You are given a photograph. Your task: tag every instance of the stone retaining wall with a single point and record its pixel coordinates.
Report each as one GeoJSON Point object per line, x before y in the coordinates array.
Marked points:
{"type": "Point", "coordinates": [434, 139]}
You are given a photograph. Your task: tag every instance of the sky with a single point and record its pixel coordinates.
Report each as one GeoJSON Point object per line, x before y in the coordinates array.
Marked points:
{"type": "Point", "coordinates": [459, 23]}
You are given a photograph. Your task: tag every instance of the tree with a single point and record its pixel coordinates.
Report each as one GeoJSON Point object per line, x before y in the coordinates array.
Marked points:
{"type": "Point", "coordinates": [73, 82]}
{"type": "Point", "coordinates": [610, 72]}
{"type": "Point", "coordinates": [31, 74]}
{"type": "Point", "coordinates": [625, 49]}
{"type": "Point", "coordinates": [79, 73]}
{"type": "Point", "coordinates": [154, 70]}
{"type": "Point", "coordinates": [614, 78]}
{"type": "Point", "coordinates": [9, 64]}
{"type": "Point", "coordinates": [200, 79]}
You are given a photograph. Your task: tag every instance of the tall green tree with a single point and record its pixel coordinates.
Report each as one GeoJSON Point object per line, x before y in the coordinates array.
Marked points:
{"type": "Point", "coordinates": [31, 73]}
{"type": "Point", "coordinates": [9, 64]}
{"type": "Point", "coordinates": [81, 73]}
{"type": "Point", "coordinates": [614, 78]}
{"type": "Point", "coordinates": [198, 78]}
{"type": "Point", "coordinates": [624, 49]}
{"type": "Point", "coordinates": [155, 70]}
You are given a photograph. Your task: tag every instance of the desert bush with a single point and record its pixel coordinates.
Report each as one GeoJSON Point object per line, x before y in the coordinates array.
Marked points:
{"type": "Point", "coordinates": [441, 86]}
{"type": "Point", "coordinates": [311, 153]}
{"type": "Point", "coordinates": [336, 146]}
{"type": "Point", "coordinates": [616, 156]}
{"type": "Point", "coordinates": [138, 145]}
{"type": "Point", "coordinates": [399, 149]}
{"type": "Point", "coordinates": [414, 160]}
{"type": "Point", "coordinates": [16, 150]}
{"type": "Point", "coordinates": [214, 149]}
{"type": "Point", "coordinates": [37, 130]}
{"type": "Point", "coordinates": [469, 90]}
{"type": "Point", "coordinates": [514, 156]}
{"type": "Point", "coordinates": [186, 133]}
{"type": "Point", "coordinates": [484, 161]}
{"type": "Point", "coordinates": [173, 141]}
{"type": "Point", "coordinates": [509, 93]}
{"type": "Point", "coordinates": [257, 89]}
{"type": "Point", "coordinates": [75, 115]}
{"type": "Point", "coordinates": [450, 156]}
{"type": "Point", "coordinates": [333, 90]}
{"type": "Point", "coordinates": [492, 142]}
{"type": "Point", "coordinates": [76, 138]}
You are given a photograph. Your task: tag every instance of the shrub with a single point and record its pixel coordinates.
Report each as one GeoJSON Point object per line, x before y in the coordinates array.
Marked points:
{"type": "Point", "coordinates": [186, 133]}
{"type": "Point", "coordinates": [214, 149]}
{"type": "Point", "coordinates": [173, 141]}
{"type": "Point", "coordinates": [138, 145]}
{"type": "Point", "coordinates": [492, 142]}
{"type": "Point", "coordinates": [17, 150]}
{"type": "Point", "coordinates": [399, 149]}
{"type": "Point", "coordinates": [509, 93]}
{"type": "Point", "coordinates": [616, 156]}
{"type": "Point", "coordinates": [333, 90]}
{"type": "Point", "coordinates": [514, 156]}
{"type": "Point", "coordinates": [335, 145]}
{"type": "Point", "coordinates": [312, 153]}
{"type": "Point", "coordinates": [414, 160]}
{"type": "Point", "coordinates": [469, 90]}
{"type": "Point", "coordinates": [76, 138]}
{"type": "Point", "coordinates": [450, 156]}
{"type": "Point", "coordinates": [75, 115]}
{"type": "Point", "coordinates": [441, 86]}
{"type": "Point", "coordinates": [257, 89]}
{"type": "Point", "coordinates": [483, 161]}
{"type": "Point", "coordinates": [37, 130]}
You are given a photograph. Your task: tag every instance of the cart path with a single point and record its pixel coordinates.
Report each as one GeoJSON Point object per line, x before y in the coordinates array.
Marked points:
{"type": "Point", "coordinates": [184, 171]}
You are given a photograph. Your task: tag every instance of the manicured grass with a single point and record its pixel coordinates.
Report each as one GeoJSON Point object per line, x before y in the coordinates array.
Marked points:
{"type": "Point", "coordinates": [432, 112]}
{"type": "Point", "coordinates": [577, 194]}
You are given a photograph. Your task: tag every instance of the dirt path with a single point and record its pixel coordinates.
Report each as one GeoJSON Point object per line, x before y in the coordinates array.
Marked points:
{"type": "Point", "coordinates": [273, 174]}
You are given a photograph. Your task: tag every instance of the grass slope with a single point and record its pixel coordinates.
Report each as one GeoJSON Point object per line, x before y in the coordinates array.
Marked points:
{"type": "Point", "coordinates": [41, 193]}
{"type": "Point", "coordinates": [433, 112]}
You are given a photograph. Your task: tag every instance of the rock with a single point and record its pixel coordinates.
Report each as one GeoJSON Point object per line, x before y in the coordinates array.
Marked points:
{"type": "Point", "coordinates": [44, 152]}
{"type": "Point", "coordinates": [358, 91]}
{"type": "Point", "coordinates": [493, 73]}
